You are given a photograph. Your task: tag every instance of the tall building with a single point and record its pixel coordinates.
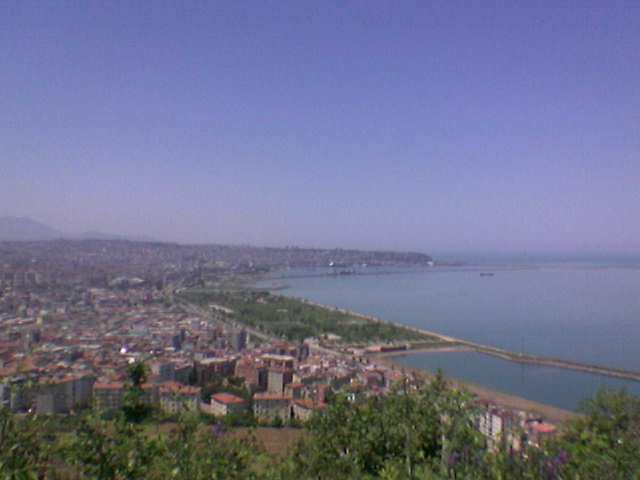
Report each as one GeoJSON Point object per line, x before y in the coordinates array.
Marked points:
{"type": "Point", "coordinates": [175, 397]}
{"type": "Point", "coordinates": [238, 339]}
{"type": "Point", "coordinates": [163, 371]}
{"type": "Point", "coordinates": [226, 403]}
{"type": "Point", "coordinates": [108, 396]}
{"type": "Point", "coordinates": [269, 406]}
{"type": "Point", "coordinates": [278, 378]}
{"type": "Point", "coordinates": [208, 369]}
{"type": "Point", "coordinates": [61, 395]}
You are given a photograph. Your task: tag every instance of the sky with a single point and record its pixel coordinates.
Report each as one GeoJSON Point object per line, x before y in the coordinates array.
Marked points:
{"type": "Point", "coordinates": [427, 126]}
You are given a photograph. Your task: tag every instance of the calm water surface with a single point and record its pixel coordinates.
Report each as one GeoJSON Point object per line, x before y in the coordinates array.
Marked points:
{"type": "Point", "coordinates": [582, 312]}
{"type": "Point", "coordinates": [553, 386]}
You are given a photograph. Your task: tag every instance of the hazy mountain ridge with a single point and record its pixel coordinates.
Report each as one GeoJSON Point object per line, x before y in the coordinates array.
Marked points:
{"type": "Point", "coordinates": [19, 229]}
{"type": "Point", "coordinates": [24, 229]}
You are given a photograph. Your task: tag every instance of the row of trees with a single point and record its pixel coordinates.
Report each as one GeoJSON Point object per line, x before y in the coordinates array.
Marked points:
{"type": "Point", "coordinates": [295, 320]}
{"type": "Point", "coordinates": [430, 434]}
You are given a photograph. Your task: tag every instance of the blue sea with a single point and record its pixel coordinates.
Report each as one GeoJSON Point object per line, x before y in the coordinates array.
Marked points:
{"type": "Point", "coordinates": [585, 310]}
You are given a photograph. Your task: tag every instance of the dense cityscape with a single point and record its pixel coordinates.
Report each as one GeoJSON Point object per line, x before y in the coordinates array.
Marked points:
{"type": "Point", "coordinates": [75, 314]}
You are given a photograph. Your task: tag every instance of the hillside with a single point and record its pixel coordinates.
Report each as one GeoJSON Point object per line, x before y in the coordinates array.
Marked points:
{"type": "Point", "coordinates": [25, 229]}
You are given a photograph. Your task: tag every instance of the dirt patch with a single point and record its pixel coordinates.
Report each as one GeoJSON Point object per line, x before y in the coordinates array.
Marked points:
{"type": "Point", "coordinates": [276, 441]}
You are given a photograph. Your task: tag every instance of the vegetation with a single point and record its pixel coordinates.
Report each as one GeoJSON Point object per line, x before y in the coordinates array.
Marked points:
{"type": "Point", "coordinates": [296, 320]}
{"type": "Point", "coordinates": [403, 435]}
{"type": "Point", "coordinates": [24, 446]}
{"type": "Point", "coordinates": [427, 434]}
{"type": "Point", "coordinates": [432, 435]}
{"type": "Point", "coordinates": [135, 408]}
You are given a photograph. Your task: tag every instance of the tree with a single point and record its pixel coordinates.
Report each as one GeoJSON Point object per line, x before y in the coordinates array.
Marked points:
{"type": "Point", "coordinates": [138, 373]}
{"type": "Point", "coordinates": [111, 449]}
{"type": "Point", "coordinates": [406, 433]}
{"type": "Point", "coordinates": [426, 434]}
{"type": "Point", "coordinates": [136, 405]}
{"type": "Point", "coordinates": [194, 452]}
{"type": "Point", "coordinates": [24, 447]}
{"type": "Point", "coordinates": [603, 443]}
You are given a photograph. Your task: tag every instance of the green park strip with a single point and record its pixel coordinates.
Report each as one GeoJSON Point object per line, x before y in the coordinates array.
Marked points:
{"type": "Point", "coordinates": [295, 320]}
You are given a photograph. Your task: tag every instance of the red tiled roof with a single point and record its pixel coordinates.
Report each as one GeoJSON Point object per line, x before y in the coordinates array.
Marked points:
{"type": "Point", "coordinates": [108, 386]}
{"type": "Point", "coordinates": [543, 428]}
{"type": "Point", "coordinates": [227, 398]}
{"type": "Point", "coordinates": [269, 396]}
{"type": "Point", "coordinates": [8, 371]}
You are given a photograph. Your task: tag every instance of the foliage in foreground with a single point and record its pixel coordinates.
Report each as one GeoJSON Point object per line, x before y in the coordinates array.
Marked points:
{"type": "Point", "coordinates": [429, 434]}
{"type": "Point", "coordinates": [117, 449]}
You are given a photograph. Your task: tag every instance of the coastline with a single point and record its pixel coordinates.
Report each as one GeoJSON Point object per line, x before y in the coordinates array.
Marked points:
{"type": "Point", "coordinates": [513, 402]}
{"type": "Point", "coordinates": [493, 351]}
{"type": "Point", "coordinates": [446, 343]}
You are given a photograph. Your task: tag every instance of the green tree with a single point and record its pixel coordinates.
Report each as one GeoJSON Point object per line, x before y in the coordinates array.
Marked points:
{"type": "Point", "coordinates": [111, 449]}
{"type": "Point", "coordinates": [137, 405]}
{"type": "Point", "coordinates": [405, 433]}
{"type": "Point", "coordinates": [138, 373]}
{"type": "Point", "coordinates": [25, 448]}
{"type": "Point", "coordinates": [605, 442]}
{"type": "Point", "coordinates": [194, 451]}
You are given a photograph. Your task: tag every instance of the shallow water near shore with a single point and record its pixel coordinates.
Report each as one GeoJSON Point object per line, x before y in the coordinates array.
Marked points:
{"type": "Point", "coordinates": [553, 386]}
{"type": "Point", "coordinates": [579, 311]}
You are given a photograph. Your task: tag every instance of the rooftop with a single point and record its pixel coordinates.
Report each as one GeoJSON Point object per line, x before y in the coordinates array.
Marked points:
{"type": "Point", "coordinates": [270, 396]}
{"type": "Point", "coordinates": [227, 398]}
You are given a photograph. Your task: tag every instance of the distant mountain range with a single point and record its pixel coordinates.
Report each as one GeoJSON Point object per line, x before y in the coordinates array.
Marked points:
{"type": "Point", "coordinates": [22, 229]}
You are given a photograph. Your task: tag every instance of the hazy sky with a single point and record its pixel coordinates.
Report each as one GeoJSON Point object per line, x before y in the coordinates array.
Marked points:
{"type": "Point", "coordinates": [471, 125]}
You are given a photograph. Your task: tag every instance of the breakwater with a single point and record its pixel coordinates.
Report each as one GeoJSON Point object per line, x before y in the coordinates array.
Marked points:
{"type": "Point", "coordinates": [494, 351]}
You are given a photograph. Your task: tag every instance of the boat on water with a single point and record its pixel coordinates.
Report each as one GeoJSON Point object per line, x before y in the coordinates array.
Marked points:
{"type": "Point", "coordinates": [333, 264]}
{"type": "Point", "coordinates": [336, 273]}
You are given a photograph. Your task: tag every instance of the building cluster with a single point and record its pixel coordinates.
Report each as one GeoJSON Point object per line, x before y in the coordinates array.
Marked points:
{"type": "Point", "coordinates": [514, 429]}
{"type": "Point", "coordinates": [72, 321]}
{"type": "Point", "coordinates": [97, 262]}
{"type": "Point", "coordinates": [63, 349]}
